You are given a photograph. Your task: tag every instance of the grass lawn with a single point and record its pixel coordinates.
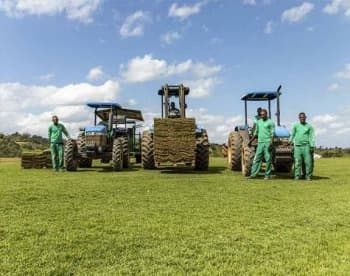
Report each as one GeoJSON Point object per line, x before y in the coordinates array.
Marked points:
{"type": "Point", "coordinates": [174, 222]}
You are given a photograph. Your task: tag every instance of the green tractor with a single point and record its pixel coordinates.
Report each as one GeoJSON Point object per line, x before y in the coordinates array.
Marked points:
{"type": "Point", "coordinates": [240, 155]}
{"type": "Point", "coordinates": [175, 140]}
{"type": "Point", "coordinates": [114, 138]}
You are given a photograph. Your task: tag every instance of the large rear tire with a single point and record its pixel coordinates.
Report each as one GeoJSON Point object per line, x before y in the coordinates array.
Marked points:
{"type": "Point", "coordinates": [84, 161]}
{"type": "Point", "coordinates": [147, 151]}
{"type": "Point", "coordinates": [247, 154]}
{"type": "Point", "coordinates": [234, 151]}
{"type": "Point", "coordinates": [126, 156]}
{"type": "Point", "coordinates": [202, 153]}
{"type": "Point", "coordinates": [71, 155]}
{"type": "Point", "coordinates": [117, 155]}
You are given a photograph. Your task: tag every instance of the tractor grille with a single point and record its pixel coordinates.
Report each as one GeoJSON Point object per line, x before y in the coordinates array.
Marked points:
{"type": "Point", "coordinates": [95, 140]}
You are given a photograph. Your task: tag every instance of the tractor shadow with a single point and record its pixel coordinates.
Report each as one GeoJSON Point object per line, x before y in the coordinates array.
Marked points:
{"type": "Point", "coordinates": [184, 170]}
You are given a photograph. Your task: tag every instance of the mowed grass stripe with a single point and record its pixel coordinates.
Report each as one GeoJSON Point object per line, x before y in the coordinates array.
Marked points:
{"type": "Point", "coordinates": [173, 222]}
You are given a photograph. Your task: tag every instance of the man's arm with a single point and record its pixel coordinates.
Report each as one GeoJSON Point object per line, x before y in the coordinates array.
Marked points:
{"type": "Point", "coordinates": [312, 137]}
{"type": "Point", "coordinates": [292, 136]}
{"type": "Point", "coordinates": [272, 132]}
{"type": "Point", "coordinates": [64, 130]}
{"type": "Point", "coordinates": [255, 135]}
{"type": "Point", "coordinates": [49, 134]}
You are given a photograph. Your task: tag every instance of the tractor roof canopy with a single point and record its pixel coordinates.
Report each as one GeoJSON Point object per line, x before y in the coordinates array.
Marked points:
{"type": "Point", "coordinates": [121, 113]}
{"type": "Point", "coordinates": [103, 105]}
{"type": "Point", "coordinates": [173, 90]}
{"type": "Point", "coordinates": [260, 96]}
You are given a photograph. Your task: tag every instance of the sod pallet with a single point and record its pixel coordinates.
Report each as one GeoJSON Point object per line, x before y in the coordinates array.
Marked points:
{"type": "Point", "coordinates": [36, 160]}
{"type": "Point", "coordinates": [174, 140]}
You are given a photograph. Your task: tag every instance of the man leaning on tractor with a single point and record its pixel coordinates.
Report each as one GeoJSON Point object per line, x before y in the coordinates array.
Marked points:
{"type": "Point", "coordinates": [56, 143]}
{"type": "Point", "coordinates": [264, 131]}
{"type": "Point", "coordinates": [303, 138]}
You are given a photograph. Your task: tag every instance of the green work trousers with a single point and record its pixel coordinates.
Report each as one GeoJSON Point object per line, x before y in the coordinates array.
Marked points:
{"type": "Point", "coordinates": [57, 156]}
{"type": "Point", "coordinates": [302, 153]}
{"type": "Point", "coordinates": [262, 151]}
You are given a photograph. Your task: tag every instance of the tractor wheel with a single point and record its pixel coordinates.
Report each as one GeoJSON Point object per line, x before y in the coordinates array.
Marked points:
{"type": "Point", "coordinates": [247, 154]}
{"type": "Point", "coordinates": [84, 161]}
{"type": "Point", "coordinates": [71, 155]}
{"type": "Point", "coordinates": [234, 151]}
{"type": "Point", "coordinates": [117, 155]}
{"type": "Point", "coordinates": [147, 151]}
{"type": "Point", "coordinates": [202, 153]}
{"type": "Point", "coordinates": [126, 156]}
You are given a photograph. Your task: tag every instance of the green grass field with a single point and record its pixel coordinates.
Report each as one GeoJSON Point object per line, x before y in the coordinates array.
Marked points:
{"type": "Point", "coordinates": [97, 222]}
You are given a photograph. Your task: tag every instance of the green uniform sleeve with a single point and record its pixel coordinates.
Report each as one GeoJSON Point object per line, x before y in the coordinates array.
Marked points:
{"type": "Point", "coordinates": [292, 136]}
{"type": "Point", "coordinates": [64, 130]}
{"type": "Point", "coordinates": [312, 137]}
{"type": "Point", "coordinates": [256, 130]}
{"type": "Point", "coordinates": [272, 129]}
{"type": "Point", "coordinates": [49, 134]}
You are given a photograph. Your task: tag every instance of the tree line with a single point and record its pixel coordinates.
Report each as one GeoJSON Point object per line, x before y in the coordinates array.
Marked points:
{"type": "Point", "coordinates": [14, 144]}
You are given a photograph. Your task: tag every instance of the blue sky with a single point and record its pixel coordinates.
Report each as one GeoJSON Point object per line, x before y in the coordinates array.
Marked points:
{"type": "Point", "coordinates": [57, 54]}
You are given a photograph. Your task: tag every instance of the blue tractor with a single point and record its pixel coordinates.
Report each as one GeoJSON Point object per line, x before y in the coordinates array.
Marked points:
{"type": "Point", "coordinates": [114, 138]}
{"type": "Point", "coordinates": [240, 155]}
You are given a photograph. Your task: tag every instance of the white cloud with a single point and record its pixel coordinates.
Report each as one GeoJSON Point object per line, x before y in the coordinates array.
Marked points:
{"type": "Point", "coordinates": [134, 24]}
{"type": "Point", "coordinates": [202, 87]}
{"type": "Point", "coordinates": [324, 119]}
{"type": "Point", "coordinates": [95, 74]}
{"type": "Point", "coordinates": [147, 68]}
{"type": "Point", "coordinates": [131, 102]}
{"type": "Point", "coordinates": [330, 128]}
{"type": "Point", "coordinates": [31, 107]}
{"type": "Point", "coordinates": [217, 126]}
{"type": "Point", "coordinates": [333, 87]}
{"type": "Point", "coordinates": [249, 2]}
{"type": "Point", "coordinates": [336, 6]}
{"type": "Point", "coordinates": [268, 28]}
{"type": "Point", "coordinates": [169, 37]}
{"type": "Point", "coordinates": [47, 77]}
{"type": "Point", "coordinates": [184, 11]}
{"type": "Point", "coordinates": [80, 10]}
{"type": "Point", "coordinates": [296, 14]}
{"type": "Point", "coordinates": [345, 74]}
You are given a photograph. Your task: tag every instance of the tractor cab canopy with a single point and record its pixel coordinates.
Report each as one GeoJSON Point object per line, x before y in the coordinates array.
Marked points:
{"type": "Point", "coordinates": [120, 115]}
{"type": "Point", "coordinates": [260, 96]}
{"type": "Point", "coordinates": [173, 90]}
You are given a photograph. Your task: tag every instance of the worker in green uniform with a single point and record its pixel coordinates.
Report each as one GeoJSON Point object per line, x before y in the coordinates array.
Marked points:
{"type": "Point", "coordinates": [303, 137]}
{"type": "Point", "coordinates": [264, 132]}
{"type": "Point", "coordinates": [56, 143]}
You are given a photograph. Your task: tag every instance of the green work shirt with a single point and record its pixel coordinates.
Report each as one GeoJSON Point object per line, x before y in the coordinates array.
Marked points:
{"type": "Point", "coordinates": [303, 134]}
{"type": "Point", "coordinates": [265, 130]}
{"type": "Point", "coordinates": [256, 119]}
{"type": "Point", "coordinates": [55, 133]}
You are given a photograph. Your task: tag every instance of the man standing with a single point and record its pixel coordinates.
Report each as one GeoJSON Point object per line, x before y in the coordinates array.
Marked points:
{"type": "Point", "coordinates": [264, 132]}
{"type": "Point", "coordinates": [56, 143]}
{"type": "Point", "coordinates": [303, 137]}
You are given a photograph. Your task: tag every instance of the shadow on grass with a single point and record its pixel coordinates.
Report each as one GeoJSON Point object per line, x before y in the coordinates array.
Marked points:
{"type": "Point", "coordinates": [185, 170]}
{"type": "Point", "coordinates": [288, 176]}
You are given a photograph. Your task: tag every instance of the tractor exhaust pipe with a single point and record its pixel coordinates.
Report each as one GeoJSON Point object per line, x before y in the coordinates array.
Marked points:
{"type": "Point", "coordinates": [278, 113]}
